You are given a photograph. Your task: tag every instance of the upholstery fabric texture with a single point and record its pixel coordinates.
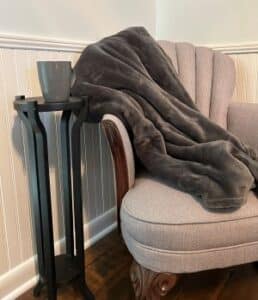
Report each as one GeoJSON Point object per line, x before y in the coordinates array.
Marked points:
{"type": "Point", "coordinates": [173, 233]}
{"type": "Point", "coordinates": [130, 75]}
{"type": "Point", "coordinates": [159, 260]}
{"type": "Point", "coordinates": [207, 75]}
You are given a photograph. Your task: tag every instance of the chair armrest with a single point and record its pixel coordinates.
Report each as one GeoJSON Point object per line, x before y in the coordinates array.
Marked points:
{"type": "Point", "coordinates": [243, 122]}
{"type": "Point", "coordinates": [122, 154]}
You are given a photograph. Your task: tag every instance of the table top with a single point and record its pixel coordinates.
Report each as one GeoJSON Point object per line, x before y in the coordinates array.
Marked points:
{"type": "Point", "coordinates": [40, 104]}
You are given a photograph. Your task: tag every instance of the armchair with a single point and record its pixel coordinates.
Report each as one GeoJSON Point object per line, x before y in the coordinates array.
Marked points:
{"type": "Point", "coordinates": [168, 232]}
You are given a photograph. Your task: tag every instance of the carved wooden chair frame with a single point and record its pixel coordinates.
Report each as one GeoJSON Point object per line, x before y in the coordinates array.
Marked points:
{"type": "Point", "coordinates": [147, 284]}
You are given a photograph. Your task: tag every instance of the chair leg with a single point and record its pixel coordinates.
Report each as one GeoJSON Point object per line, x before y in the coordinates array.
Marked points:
{"type": "Point", "coordinates": [149, 285]}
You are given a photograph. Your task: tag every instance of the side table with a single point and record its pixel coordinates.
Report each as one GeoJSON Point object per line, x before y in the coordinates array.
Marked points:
{"type": "Point", "coordinates": [69, 267]}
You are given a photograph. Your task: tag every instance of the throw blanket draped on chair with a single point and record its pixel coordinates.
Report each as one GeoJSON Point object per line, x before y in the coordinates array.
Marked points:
{"type": "Point", "coordinates": [130, 76]}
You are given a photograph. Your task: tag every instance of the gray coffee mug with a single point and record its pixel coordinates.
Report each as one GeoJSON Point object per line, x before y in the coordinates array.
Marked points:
{"type": "Point", "coordinates": [55, 79]}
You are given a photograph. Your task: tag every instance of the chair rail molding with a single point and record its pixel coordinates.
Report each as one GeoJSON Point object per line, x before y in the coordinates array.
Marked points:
{"type": "Point", "coordinates": [41, 43]}
{"type": "Point", "coordinates": [56, 44]}
{"type": "Point", "coordinates": [240, 48]}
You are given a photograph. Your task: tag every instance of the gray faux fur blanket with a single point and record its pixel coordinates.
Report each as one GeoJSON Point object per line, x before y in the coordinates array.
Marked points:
{"type": "Point", "coordinates": [130, 76]}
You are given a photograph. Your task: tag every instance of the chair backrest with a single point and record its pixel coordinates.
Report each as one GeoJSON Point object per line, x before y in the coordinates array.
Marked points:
{"type": "Point", "coordinates": [208, 76]}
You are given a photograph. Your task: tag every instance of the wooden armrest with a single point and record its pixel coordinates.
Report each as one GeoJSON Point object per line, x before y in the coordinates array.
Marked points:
{"type": "Point", "coordinates": [119, 162]}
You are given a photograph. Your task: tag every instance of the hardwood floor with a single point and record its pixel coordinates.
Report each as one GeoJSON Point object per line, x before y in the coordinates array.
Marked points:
{"type": "Point", "coordinates": [107, 265]}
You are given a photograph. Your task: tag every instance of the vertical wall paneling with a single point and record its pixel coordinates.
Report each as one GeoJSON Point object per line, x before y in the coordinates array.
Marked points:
{"type": "Point", "coordinates": [17, 152]}
{"type": "Point", "coordinates": [106, 167]}
{"type": "Point", "coordinates": [23, 88]}
{"type": "Point", "coordinates": [102, 170]}
{"type": "Point", "coordinates": [246, 77]}
{"type": "Point", "coordinates": [93, 168]}
{"type": "Point", "coordinates": [85, 175]}
{"type": "Point", "coordinates": [4, 251]}
{"type": "Point", "coordinates": [18, 75]}
{"type": "Point", "coordinates": [10, 197]}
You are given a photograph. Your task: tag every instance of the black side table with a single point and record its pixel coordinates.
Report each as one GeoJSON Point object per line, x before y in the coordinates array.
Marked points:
{"type": "Point", "coordinates": [69, 267]}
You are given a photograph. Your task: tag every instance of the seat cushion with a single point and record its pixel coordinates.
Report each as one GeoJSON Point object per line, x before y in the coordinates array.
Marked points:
{"type": "Point", "coordinates": [157, 217]}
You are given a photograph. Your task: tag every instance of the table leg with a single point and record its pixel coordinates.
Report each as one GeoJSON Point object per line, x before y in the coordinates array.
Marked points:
{"type": "Point", "coordinates": [66, 178]}
{"type": "Point", "coordinates": [35, 200]}
{"type": "Point", "coordinates": [78, 206]}
{"type": "Point", "coordinates": [43, 186]}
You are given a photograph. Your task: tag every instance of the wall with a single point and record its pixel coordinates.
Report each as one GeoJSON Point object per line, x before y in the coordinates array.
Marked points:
{"type": "Point", "coordinates": [45, 30]}
{"type": "Point", "coordinates": [80, 20]}
{"type": "Point", "coordinates": [207, 22]}
{"type": "Point", "coordinates": [229, 26]}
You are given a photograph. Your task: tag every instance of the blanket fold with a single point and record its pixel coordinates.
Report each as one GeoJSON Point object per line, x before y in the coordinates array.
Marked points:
{"type": "Point", "coordinates": [129, 75]}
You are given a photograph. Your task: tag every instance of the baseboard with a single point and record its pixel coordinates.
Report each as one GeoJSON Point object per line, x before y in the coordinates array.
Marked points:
{"type": "Point", "coordinates": [23, 277]}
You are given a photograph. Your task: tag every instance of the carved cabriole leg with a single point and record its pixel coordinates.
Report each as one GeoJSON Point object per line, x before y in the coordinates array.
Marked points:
{"type": "Point", "coordinates": [149, 285]}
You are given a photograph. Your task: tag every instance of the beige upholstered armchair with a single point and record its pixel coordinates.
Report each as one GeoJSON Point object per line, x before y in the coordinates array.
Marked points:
{"type": "Point", "coordinates": [168, 232]}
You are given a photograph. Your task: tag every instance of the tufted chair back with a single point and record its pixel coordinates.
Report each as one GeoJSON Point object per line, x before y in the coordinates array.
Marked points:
{"type": "Point", "coordinates": [208, 76]}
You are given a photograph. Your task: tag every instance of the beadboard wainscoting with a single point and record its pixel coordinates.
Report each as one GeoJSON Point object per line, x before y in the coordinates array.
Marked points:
{"type": "Point", "coordinates": [246, 77]}
{"type": "Point", "coordinates": [18, 75]}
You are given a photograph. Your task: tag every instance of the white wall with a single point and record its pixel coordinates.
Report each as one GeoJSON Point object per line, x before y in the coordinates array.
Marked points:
{"type": "Point", "coordinates": [81, 20]}
{"type": "Point", "coordinates": [207, 21]}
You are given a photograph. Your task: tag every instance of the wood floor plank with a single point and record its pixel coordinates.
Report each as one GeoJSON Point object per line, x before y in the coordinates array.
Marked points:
{"type": "Point", "coordinates": [107, 271]}
{"type": "Point", "coordinates": [203, 285]}
{"type": "Point", "coordinates": [243, 284]}
{"type": "Point", "coordinates": [110, 241]}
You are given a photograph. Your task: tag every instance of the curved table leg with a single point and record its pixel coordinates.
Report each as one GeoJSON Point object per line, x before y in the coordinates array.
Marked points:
{"type": "Point", "coordinates": [78, 206]}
